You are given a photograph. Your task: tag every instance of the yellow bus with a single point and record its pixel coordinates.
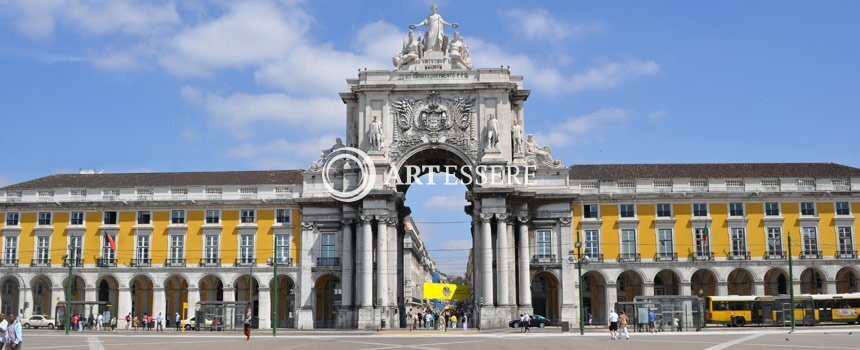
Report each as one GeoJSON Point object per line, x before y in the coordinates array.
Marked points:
{"type": "Point", "coordinates": [733, 310]}
{"type": "Point", "coordinates": [809, 309]}
{"type": "Point", "coordinates": [836, 307]}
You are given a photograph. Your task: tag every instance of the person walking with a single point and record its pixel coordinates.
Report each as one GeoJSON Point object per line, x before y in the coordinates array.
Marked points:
{"type": "Point", "coordinates": [454, 321]}
{"type": "Point", "coordinates": [526, 320]}
{"type": "Point", "coordinates": [4, 327]}
{"type": "Point", "coordinates": [100, 322]}
{"type": "Point", "coordinates": [127, 322]}
{"type": "Point", "coordinates": [622, 324]}
{"type": "Point", "coordinates": [149, 322]}
{"type": "Point", "coordinates": [248, 315]}
{"type": "Point", "coordinates": [178, 322]}
{"type": "Point", "coordinates": [613, 324]}
{"type": "Point", "coordinates": [135, 323]}
{"type": "Point", "coordinates": [113, 324]}
{"type": "Point", "coordinates": [465, 322]}
{"type": "Point", "coordinates": [651, 318]}
{"type": "Point", "coordinates": [159, 323]}
{"type": "Point", "coordinates": [13, 334]}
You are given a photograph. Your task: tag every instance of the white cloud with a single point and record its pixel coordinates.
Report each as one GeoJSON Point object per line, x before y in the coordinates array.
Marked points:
{"type": "Point", "coordinates": [445, 202]}
{"type": "Point", "coordinates": [657, 115]}
{"type": "Point", "coordinates": [582, 129]}
{"type": "Point", "coordinates": [541, 24]}
{"type": "Point", "coordinates": [282, 153]}
{"type": "Point", "coordinates": [609, 75]}
{"type": "Point", "coordinates": [4, 181]}
{"type": "Point", "coordinates": [117, 60]}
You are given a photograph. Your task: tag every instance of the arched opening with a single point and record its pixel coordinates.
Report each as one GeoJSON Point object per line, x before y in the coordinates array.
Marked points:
{"type": "Point", "coordinates": [42, 295]}
{"type": "Point", "coordinates": [9, 295]}
{"type": "Point", "coordinates": [740, 282]}
{"type": "Point", "coordinates": [247, 289]}
{"type": "Point", "coordinates": [78, 293]}
{"type": "Point", "coordinates": [667, 282]}
{"type": "Point", "coordinates": [776, 282]}
{"type": "Point", "coordinates": [594, 297]}
{"type": "Point", "coordinates": [545, 296]}
{"type": "Point", "coordinates": [629, 285]}
{"type": "Point", "coordinates": [286, 301]}
{"type": "Point", "coordinates": [141, 296]}
{"type": "Point", "coordinates": [811, 281]}
{"type": "Point", "coordinates": [211, 289]}
{"type": "Point", "coordinates": [704, 283]}
{"type": "Point", "coordinates": [107, 290]}
{"type": "Point", "coordinates": [846, 280]}
{"type": "Point", "coordinates": [327, 295]}
{"type": "Point", "coordinates": [175, 295]}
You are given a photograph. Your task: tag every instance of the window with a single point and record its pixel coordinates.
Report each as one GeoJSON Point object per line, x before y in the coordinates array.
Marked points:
{"type": "Point", "coordinates": [735, 184]}
{"type": "Point", "coordinates": [592, 244]}
{"type": "Point", "coordinates": [627, 211]}
{"type": "Point", "coordinates": [736, 209]}
{"type": "Point", "coordinates": [213, 216]}
{"type": "Point", "coordinates": [328, 251]}
{"type": "Point", "coordinates": [806, 184]}
{"type": "Point", "coordinates": [771, 209]}
{"type": "Point", "coordinates": [142, 251]}
{"type": "Point", "coordinates": [703, 242]}
{"type": "Point", "coordinates": [664, 210]}
{"type": "Point", "coordinates": [12, 219]}
{"type": "Point", "coordinates": [107, 252]}
{"type": "Point", "coordinates": [699, 184]}
{"type": "Point", "coordinates": [210, 249]}
{"type": "Point", "coordinates": [771, 184]}
{"type": "Point", "coordinates": [248, 190]}
{"type": "Point", "coordinates": [45, 218]}
{"type": "Point", "coordinates": [246, 249]}
{"type": "Point", "coordinates": [80, 193]}
{"type": "Point", "coordinates": [700, 209]}
{"type": "Point", "coordinates": [43, 249]}
{"type": "Point", "coordinates": [144, 217]}
{"type": "Point", "coordinates": [179, 191]}
{"type": "Point", "coordinates": [544, 243]}
{"type": "Point", "coordinates": [810, 240]}
{"type": "Point", "coordinates": [842, 208]}
{"type": "Point", "coordinates": [76, 247]}
{"type": "Point", "coordinates": [282, 249]}
{"type": "Point", "coordinates": [110, 218]}
{"type": "Point", "coordinates": [10, 250]}
{"type": "Point", "coordinates": [177, 248]}
{"type": "Point", "coordinates": [774, 240]}
{"type": "Point", "coordinates": [739, 241]}
{"type": "Point", "coordinates": [214, 190]}
{"type": "Point", "coordinates": [663, 184]}
{"type": "Point", "coordinates": [807, 209]}
{"type": "Point", "coordinates": [111, 193]}
{"type": "Point", "coordinates": [177, 217]}
{"type": "Point", "coordinates": [282, 216]}
{"type": "Point", "coordinates": [77, 218]}
{"type": "Point", "coordinates": [628, 244]}
{"type": "Point", "coordinates": [589, 211]}
{"type": "Point", "coordinates": [248, 216]}
{"type": "Point", "coordinates": [626, 185]}
{"type": "Point", "coordinates": [846, 243]}
{"type": "Point", "coordinates": [665, 245]}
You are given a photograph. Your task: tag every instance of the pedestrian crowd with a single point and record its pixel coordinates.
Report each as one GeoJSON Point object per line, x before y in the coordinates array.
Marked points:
{"type": "Point", "coordinates": [11, 336]}
{"type": "Point", "coordinates": [430, 318]}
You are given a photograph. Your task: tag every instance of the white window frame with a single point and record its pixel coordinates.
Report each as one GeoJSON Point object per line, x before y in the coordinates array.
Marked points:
{"type": "Point", "coordinates": [244, 251]}
{"type": "Point", "coordinates": [632, 205]}
{"type": "Point", "coordinates": [657, 210]}
{"type": "Point", "coordinates": [39, 218]}
{"type": "Point", "coordinates": [696, 246]}
{"type": "Point", "coordinates": [289, 216]}
{"type": "Point", "coordinates": [173, 217]}
{"type": "Point", "coordinates": [17, 216]}
{"type": "Point", "coordinates": [805, 242]}
{"type": "Point", "coordinates": [743, 209]}
{"type": "Point", "coordinates": [660, 246]}
{"type": "Point", "coordinates": [104, 217]}
{"type": "Point", "coordinates": [836, 208]}
{"type": "Point", "coordinates": [211, 256]}
{"type": "Point", "coordinates": [138, 248]}
{"type": "Point", "coordinates": [242, 216]}
{"type": "Point", "coordinates": [814, 209]}
{"type": "Point", "coordinates": [106, 251]}
{"type": "Point", "coordinates": [206, 216]}
{"type": "Point", "coordinates": [628, 255]}
{"type": "Point", "coordinates": [78, 253]}
{"type": "Point", "coordinates": [282, 251]}
{"type": "Point", "coordinates": [841, 232]}
{"type": "Point", "coordinates": [590, 251]}
{"type": "Point", "coordinates": [541, 244]}
{"type": "Point", "coordinates": [176, 253]}
{"type": "Point", "coordinates": [72, 218]}
{"type": "Point", "coordinates": [769, 234]}
{"type": "Point", "coordinates": [596, 214]}
{"type": "Point", "coordinates": [137, 217]}
{"type": "Point", "coordinates": [42, 254]}
{"type": "Point", "coordinates": [778, 209]}
{"type": "Point", "coordinates": [328, 253]}
{"type": "Point", "coordinates": [733, 241]}
{"type": "Point", "coordinates": [10, 254]}
{"type": "Point", "coordinates": [707, 210]}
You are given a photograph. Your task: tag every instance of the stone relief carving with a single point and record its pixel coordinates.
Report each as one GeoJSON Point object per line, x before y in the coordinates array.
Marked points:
{"type": "Point", "coordinates": [434, 119]}
{"type": "Point", "coordinates": [539, 156]}
{"type": "Point", "coordinates": [317, 164]}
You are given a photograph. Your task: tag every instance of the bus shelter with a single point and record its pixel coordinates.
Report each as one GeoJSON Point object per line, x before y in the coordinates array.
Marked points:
{"type": "Point", "coordinates": [84, 309]}
{"type": "Point", "coordinates": [671, 313]}
{"type": "Point", "coordinates": [221, 315]}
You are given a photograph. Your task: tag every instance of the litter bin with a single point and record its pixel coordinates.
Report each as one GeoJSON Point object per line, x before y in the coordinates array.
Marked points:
{"type": "Point", "coordinates": [565, 327]}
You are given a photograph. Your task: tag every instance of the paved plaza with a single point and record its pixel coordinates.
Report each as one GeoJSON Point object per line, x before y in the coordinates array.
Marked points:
{"type": "Point", "coordinates": [835, 338]}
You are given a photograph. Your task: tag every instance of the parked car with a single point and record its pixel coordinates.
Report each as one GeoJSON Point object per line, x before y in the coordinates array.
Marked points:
{"type": "Point", "coordinates": [191, 323]}
{"type": "Point", "coordinates": [38, 321]}
{"type": "Point", "coordinates": [534, 321]}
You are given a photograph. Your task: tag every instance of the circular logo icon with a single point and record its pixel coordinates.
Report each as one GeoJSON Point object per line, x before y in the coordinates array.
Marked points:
{"type": "Point", "coordinates": [355, 157]}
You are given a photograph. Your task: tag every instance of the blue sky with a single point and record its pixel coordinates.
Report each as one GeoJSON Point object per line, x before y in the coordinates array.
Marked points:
{"type": "Point", "coordinates": [222, 85]}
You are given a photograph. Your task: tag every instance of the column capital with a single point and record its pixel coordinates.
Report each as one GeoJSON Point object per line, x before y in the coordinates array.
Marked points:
{"type": "Point", "coordinates": [486, 217]}
{"type": "Point", "coordinates": [564, 221]}
{"type": "Point", "coordinates": [503, 216]}
{"type": "Point", "coordinates": [308, 225]}
{"type": "Point", "coordinates": [524, 218]}
{"type": "Point", "coordinates": [366, 219]}
{"type": "Point", "coordinates": [347, 221]}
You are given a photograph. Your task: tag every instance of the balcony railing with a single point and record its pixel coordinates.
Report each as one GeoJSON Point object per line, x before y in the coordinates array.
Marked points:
{"type": "Point", "coordinates": [328, 261]}
{"type": "Point", "coordinates": [593, 257]}
{"type": "Point", "coordinates": [780, 255]}
{"type": "Point", "coordinates": [244, 262]}
{"type": "Point", "coordinates": [40, 263]}
{"type": "Point", "coordinates": [702, 256]}
{"type": "Point", "coordinates": [174, 262]}
{"type": "Point", "coordinates": [811, 255]}
{"type": "Point", "coordinates": [847, 254]}
{"type": "Point", "coordinates": [8, 262]}
{"type": "Point", "coordinates": [210, 262]}
{"type": "Point", "coordinates": [629, 257]}
{"type": "Point", "coordinates": [74, 262]}
{"type": "Point", "coordinates": [739, 255]}
{"type": "Point", "coordinates": [666, 257]}
{"type": "Point", "coordinates": [144, 262]}
{"type": "Point", "coordinates": [284, 262]}
{"type": "Point", "coordinates": [106, 262]}
{"type": "Point", "coordinates": [544, 259]}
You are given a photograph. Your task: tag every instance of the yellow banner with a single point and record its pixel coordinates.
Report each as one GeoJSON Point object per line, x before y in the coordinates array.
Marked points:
{"type": "Point", "coordinates": [445, 291]}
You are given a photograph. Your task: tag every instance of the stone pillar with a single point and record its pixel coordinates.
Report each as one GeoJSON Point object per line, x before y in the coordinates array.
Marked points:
{"type": "Point", "coordinates": [685, 288]}
{"type": "Point", "coordinates": [829, 287]}
{"type": "Point", "coordinates": [158, 304]}
{"type": "Point", "coordinates": [193, 298]}
{"type": "Point", "coordinates": [382, 260]}
{"type": "Point", "coordinates": [523, 269]}
{"type": "Point", "coordinates": [487, 263]}
{"type": "Point", "coordinates": [229, 294]}
{"type": "Point", "coordinates": [611, 298]}
{"type": "Point", "coordinates": [648, 289]}
{"type": "Point", "coordinates": [304, 296]}
{"type": "Point", "coordinates": [58, 294]}
{"type": "Point", "coordinates": [722, 288]}
{"type": "Point", "coordinates": [347, 261]}
{"type": "Point", "coordinates": [124, 307]}
{"type": "Point", "coordinates": [758, 288]}
{"type": "Point", "coordinates": [26, 296]}
{"type": "Point", "coordinates": [366, 262]}
{"type": "Point", "coordinates": [89, 294]}
{"type": "Point", "coordinates": [503, 263]}
{"type": "Point", "coordinates": [265, 312]}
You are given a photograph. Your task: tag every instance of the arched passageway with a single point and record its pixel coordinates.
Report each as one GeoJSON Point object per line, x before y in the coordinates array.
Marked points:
{"type": "Point", "coordinates": [328, 294]}
{"type": "Point", "coordinates": [811, 281]}
{"type": "Point", "coordinates": [629, 284]}
{"type": "Point", "coordinates": [667, 282]}
{"type": "Point", "coordinates": [175, 295]}
{"type": "Point", "coordinates": [42, 295]}
{"type": "Point", "coordinates": [247, 289]}
{"type": "Point", "coordinates": [286, 301]}
{"type": "Point", "coordinates": [594, 297]}
{"type": "Point", "coordinates": [9, 295]}
{"type": "Point", "coordinates": [740, 282]}
{"type": "Point", "coordinates": [545, 296]}
{"type": "Point", "coordinates": [211, 289]}
{"type": "Point", "coordinates": [846, 280]}
{"type": "Point", "coordinates": [141, 296]}
{"type": "Point", "coordinates": [704, 283]}
{"type": "Point", "coordinates": [776, 282]}
{"type": "Point", "coordinates": [107, 291]}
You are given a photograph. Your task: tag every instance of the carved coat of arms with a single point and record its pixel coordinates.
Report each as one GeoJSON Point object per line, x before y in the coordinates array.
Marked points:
{"type": "Point", "coordinates": [434, 119]}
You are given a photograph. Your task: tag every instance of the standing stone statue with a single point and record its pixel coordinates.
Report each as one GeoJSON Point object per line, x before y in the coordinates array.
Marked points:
{"type": "Point", "coordinates": [435, 29]}
{"type": "Point", "coordinates": [517, 137]}
{"type": "Point", "coordinates": [492, 133]}
{"type": "Point", "coordinates": [374, 132]}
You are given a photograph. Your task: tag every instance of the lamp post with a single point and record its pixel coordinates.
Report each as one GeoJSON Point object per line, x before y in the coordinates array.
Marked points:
{"type": "Point", "coordinates": [68, 260]}
{"type": "Point", "coordinates": [251, 288]}
{"type": "Point", "coordinates": [790, 280]}
{"type": "Point", "coordinates": [273, 262]}
{"type": "Point", "coordinates": [579, 278]}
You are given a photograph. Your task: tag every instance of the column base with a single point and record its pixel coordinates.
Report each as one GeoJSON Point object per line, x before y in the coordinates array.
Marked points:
{"type": "Point", "coordinates": [493, 317]}
{"type": "Point", "coordinates": [304, 319]}
{"type": "Point", "coordinates": [368, 318]}
{"type": "Point", "coordinates": [570, 313]}
{"type": "Point", "coordinates": [346, 317]}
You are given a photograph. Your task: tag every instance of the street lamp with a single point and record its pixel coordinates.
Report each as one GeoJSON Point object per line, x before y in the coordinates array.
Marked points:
{"type": "Point", "coordinates": [791, 280]}
{"type": "Point", "coordinates": [68, 259]}
{"type": "Point", "coordinates": [274, 263]}
{"type": "Point", "coordinates": [579, 278]}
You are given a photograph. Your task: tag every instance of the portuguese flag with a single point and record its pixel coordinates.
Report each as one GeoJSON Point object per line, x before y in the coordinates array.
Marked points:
{"type": "Point", "coordinates": [110, 241]}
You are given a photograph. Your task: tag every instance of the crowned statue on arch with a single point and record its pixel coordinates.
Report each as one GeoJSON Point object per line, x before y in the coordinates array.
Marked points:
{"type": "Point", "coordinates": [434, 39]}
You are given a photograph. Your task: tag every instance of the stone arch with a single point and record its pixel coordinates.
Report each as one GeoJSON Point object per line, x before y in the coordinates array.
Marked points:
{"type": "Point", "coordinates": [142, 289]}
{"type": "Point", "coordinates": [286, 301]}
{"type": "Point", "coordinates": [546, 292]}
{"type": "Point", "coordinates": [10, 291]}
{"type": "Point", "coordinates": [246, 288]}
{"type": "Point", "coordinates": [211, 288]}
{"type": "Point", "coordinates": [629, 284]}
{"type": "Point", "coordinates": [812, 281]}
{"type": "Point", "coordinates": [847, 280]}
{"type": "Point", "coordinates": [667, 282]}
{"type": "Point", "coordinates": [740, 282]}
{"type": "Point", "coordinates": [594, 296]}
{"type": "Point", "coordinates": [175, 294]}
{"type": "Point", "coordinates": [327, 301]}
{"type": "Point", "coordinates": [79, 287]}
{"type": "Point", "coordinates": [432, 154]}
{"type": "Point", "coordinates": [703, 282]}
{"type": "Point", "coordinates": [107, 290]}
{"type": "Point", "coordinates": [42, 288]}
{"type": "Point", "coordinates": [776, 282]}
